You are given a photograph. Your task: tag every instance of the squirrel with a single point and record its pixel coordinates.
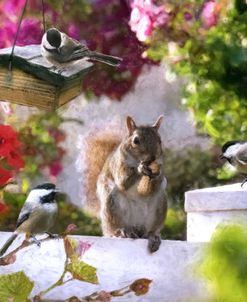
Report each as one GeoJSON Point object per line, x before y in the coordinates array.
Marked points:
{"type": "Point", "coordinates": [128, 179]}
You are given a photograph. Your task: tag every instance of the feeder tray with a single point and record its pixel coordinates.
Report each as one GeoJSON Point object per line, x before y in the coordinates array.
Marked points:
{"type": "Point", "coordinates": [31, 82]}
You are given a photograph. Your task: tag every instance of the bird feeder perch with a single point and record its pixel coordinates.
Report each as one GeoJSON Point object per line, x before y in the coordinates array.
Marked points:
{"type": "Point", "coordinates": [32, 82]}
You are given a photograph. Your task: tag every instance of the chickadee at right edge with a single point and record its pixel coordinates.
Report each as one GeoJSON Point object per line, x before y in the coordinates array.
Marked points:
{"type": "Point", "coordinates": [37, 215]}
{"type": "Point", "coordinates": [235, 152]}
{"type": "Point", "coordinates": [60, 50]}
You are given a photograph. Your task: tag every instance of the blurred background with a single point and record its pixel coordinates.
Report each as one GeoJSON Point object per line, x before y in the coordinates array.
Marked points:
{"type": "Point", "coordinates": [184, 59]}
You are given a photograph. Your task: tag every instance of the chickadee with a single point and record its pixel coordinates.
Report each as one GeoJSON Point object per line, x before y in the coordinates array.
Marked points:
{"type": "Point", "coordinates": [235, 152]}
{"type": "Point", "coordinates": [37, 214]}
{"type": "Point", "coordinates": [59, 49]}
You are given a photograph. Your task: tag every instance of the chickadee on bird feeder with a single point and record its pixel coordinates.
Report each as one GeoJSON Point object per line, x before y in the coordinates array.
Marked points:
{"type": "Point", "coordinates": [31, 81]}
{"type": "Point", "coordinates": [27, 78]}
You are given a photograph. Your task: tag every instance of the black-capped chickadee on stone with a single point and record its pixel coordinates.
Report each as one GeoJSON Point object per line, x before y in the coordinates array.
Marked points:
{"type": "Point", "coordinates": [37, 215]}
{"type": "Point", "coordinates": [59, 49]}
{"type": "Point", "coordinates": [235, 152]}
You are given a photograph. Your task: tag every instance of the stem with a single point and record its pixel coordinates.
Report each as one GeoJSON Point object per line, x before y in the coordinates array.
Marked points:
{"type": "Point", "coordinates": [59, 281]}
{"type": "Point", "coordinates": [25, 243]}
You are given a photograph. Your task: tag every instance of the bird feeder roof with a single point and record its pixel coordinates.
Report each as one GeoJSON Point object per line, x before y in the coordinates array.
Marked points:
{"type": "Point", "coordinates": [29, 59]}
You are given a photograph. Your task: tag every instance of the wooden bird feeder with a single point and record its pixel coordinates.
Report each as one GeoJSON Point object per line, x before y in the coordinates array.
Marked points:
{"type": "Point", "coordinates": [32, 82]}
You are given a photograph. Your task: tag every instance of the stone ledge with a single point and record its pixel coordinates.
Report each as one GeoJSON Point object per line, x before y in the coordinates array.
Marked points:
{"type": "Point", "coordinates": [222, 198]}
{"type": "Point", "coordinates": [119, 262]}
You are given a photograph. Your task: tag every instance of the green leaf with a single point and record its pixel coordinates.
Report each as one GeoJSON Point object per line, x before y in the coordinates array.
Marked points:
{"type": "Point", "coordinates": [82, 271]}
{"type": "Point", "coordinates": [224, 264]}
{"type": "Point", "coordinates": [16, 286]}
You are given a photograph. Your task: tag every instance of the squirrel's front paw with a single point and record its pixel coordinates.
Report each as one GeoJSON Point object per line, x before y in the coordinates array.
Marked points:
{"type": "Point", "coordinates": [154, 242]}
{"type": "Point", "coordinates": [144, 169]}
{"type": "Point", "coordinates": [149, 169]}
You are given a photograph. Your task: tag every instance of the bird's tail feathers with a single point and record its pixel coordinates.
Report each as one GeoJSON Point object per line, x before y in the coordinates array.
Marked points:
{"type": "Point", "coordinates": [8, 243]}
{"type": "Point", "coordinates": [107, 59]}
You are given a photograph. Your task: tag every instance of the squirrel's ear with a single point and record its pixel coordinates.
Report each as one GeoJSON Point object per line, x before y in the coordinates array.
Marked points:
{"type": "Point", "coordinates": [131, 125]}
{"type": "Point", "coordinates": [157, 124]}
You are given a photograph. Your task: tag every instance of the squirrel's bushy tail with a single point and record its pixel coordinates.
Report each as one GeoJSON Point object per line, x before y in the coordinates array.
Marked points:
{"type": "Point", "coordinates": [99, 145]}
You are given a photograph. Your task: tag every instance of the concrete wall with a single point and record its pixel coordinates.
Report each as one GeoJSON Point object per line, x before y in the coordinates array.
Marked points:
{"type": "Point", "coordinates": [119, 262]}
{"type": "Point", "coordinates": [206, 208]}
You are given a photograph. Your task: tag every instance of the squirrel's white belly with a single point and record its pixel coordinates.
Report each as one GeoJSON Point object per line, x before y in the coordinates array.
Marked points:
{"type": "Point", "coordinates": [139, 210]}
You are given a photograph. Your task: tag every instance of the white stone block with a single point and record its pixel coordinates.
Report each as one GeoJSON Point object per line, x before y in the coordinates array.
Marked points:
{"type": "Point", "coordinates": [119, 262]}
{"type": "Point", "coordinates": [206, 208]}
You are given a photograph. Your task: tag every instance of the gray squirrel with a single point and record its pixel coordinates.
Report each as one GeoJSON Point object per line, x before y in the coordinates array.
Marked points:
{"type": "Point", "coordinates": [128, 177]}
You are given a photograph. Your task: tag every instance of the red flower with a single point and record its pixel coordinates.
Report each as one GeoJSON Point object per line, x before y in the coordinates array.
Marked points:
{"type": "Point", "coordinates": [9, 153]}
{"type": "Point", "coordinates": [3, 207]}
{"type": "Point", "coordinates": [14, 160]}
{"type": "Point", "coordinates": [55, 168]}
{"type": "Point", "coordinates": [8, 140]}
{"type": "Point", "coordinates": [5, 176]}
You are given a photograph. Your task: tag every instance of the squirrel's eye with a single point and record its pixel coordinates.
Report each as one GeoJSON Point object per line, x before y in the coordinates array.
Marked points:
{"type": "Point", "coordinates": [136, 140]}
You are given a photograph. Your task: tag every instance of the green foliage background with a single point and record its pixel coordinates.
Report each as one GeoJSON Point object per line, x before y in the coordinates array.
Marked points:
{"type": "Point", "coordinates": [214, 64]}
{"type": "Point", "coordinates": [224, 264]}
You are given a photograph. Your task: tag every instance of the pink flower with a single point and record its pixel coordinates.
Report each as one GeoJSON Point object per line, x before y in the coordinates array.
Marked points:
{"type": "Point", "coordinates": [55, 168]}
{"type": "Point", "coordinates": [144, 28]}
{"type": "Point", "coordinates": [70, 228]}
{"type": "Point", "coordinates": [31, 32]}
{"type": "Point", "coordinates": [74, 31]}
{"type": "Point", "coordinates": [145, 16]}
{"type": "Point", "coordinates": [13, 7]}
{"type": "Point", "coordinates": [82, 247]}
{"type": "Point", "coordinates": [209, 14]}
{"type": "Point", "coordinates": [7, 33]}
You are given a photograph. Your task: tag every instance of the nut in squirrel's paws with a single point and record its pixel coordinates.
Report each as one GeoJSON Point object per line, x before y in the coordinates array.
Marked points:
{"type": "Point", "coordinates": [151, 170]}
{"type": "Point", "coordinates": [145, 186]}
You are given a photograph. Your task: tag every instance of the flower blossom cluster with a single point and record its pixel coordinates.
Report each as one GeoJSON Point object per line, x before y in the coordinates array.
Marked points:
{"type": "Point", "coordinates": [10, 156]}
{"type": "Point", "coordinates": [31, 28]}
{"type": "Point", "coordinates": [210, 13]}
{"type": "Point", "coordinates": [145, 16]}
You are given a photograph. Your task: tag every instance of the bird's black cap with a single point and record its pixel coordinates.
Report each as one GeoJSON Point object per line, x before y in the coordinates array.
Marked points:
{"type": "Point", "coordinates": [45, 186]}
{"type": "Point", "coordinates": [228, 144]}
{"type": "Point", "coordinates": [53, 36]}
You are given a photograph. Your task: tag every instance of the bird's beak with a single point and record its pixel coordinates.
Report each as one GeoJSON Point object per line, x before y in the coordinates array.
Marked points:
{"type": "Point", "coordinates": [222, 156]}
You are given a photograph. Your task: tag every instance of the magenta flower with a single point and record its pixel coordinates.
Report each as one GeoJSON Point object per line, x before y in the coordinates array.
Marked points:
{"type": "Point", "coordinates": [70, 228]}
{"type": "Point", "coordinates": [31, 32]}
{"type": "Point", "coordinates": [209, 14]}
{"type": "Point", "coordinates": [74, 31]}
{"type": "Point", "coordinates": [82, 247]}
{"type": "Point", "coordinates": [7, 33]}
{"type": "Point", "coordinates": [12, 8]}
{"type": "Point", "coordinates": [145, 16]}
{"type": "Point", "coordinates": [55, 168]}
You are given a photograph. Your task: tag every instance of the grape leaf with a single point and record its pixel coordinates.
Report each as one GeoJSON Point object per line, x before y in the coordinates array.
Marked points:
{"type": "Point", "coordinates": [16, 287]}
{"type": "Point", "coordinates": [82, 271]}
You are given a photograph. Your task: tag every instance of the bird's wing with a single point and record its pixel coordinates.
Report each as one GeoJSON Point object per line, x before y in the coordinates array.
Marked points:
{"type": "Point", "coordinates": [73, 50]}
{"type": "Point", "coordinates": [22, 217]}
{"type": "Point", "coordinates": [242, 155]}
{"type": "Point", "coordinates": [24, 213]}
